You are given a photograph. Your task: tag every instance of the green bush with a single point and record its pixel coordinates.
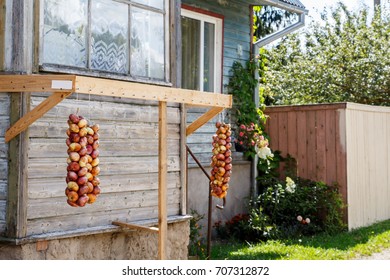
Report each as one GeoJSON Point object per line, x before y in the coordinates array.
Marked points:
{"type": "Point", "coordinates": [297, 208]}
{"type": "Point", "coordinates": [286, 210]}
{"type": "Point", "coordinates": [196, 246]}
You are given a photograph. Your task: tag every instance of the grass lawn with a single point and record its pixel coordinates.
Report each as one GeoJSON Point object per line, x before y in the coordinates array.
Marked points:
{"type": "Point", "coordinates": [346, 245]}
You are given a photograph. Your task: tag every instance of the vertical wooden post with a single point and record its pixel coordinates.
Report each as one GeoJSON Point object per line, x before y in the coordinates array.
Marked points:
{"type": "Point", "coordinates": [162, 181]}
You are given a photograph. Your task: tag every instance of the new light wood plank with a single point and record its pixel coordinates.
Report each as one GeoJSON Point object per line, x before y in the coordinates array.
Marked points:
{"type": "Point", "coordinates": [30, 117]}
{"type": "Point", "coordinates": [162, 181]}
{"type": "Point", "coordinates": [133, 226]}
{"type": "Point", "coordinates": [37, 83]}
{"type": "Point", "coordinates": [105, 87]}
{"type": "Point", "coordinates": [203, 119]}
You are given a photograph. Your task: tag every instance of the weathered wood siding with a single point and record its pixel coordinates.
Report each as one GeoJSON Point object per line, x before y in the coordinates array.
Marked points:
{"type": "Point", "coordinates": [128, 156]}
{"type": "Point", "coordinates": [368, 158]}
{"type": "Point", "coordinates": [236, 31]}
{"type": "Point", "coordinates": [4, 124]}
{"type": "Point", "coordinates": [344, 143]}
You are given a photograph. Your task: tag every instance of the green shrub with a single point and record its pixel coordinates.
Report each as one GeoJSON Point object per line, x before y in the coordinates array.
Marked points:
{"type": "Point", "coordinates": [288, 210]}
{"type": "Point", "coordinates": [303, 207]}
{"type": "Point", "coordinates": [196, 246]}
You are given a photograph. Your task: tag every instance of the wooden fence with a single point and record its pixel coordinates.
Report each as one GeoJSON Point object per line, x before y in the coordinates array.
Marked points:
{"type": "Point", "coordinates": [341, 143]}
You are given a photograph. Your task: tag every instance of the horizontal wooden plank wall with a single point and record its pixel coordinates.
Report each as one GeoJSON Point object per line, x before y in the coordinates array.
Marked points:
{"type": "Point", "coordinates": [4, 124]}
{"type": "Point", "coordinates": [315, 137]}
{"type": "Point", "coordinates": [128, 161]}
{"type": "Point", "coordinates": [368, 157]}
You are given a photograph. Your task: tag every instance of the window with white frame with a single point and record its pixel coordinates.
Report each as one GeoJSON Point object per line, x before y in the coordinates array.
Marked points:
{"type": "Point", "coordinates": [201, 51]}
{"type": "Point", "coordinates": [122, 37]}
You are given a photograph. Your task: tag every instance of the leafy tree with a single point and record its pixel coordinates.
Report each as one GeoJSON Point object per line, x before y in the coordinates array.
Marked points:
{"type": "Point", "coordinates": [269, 19]}
{"type": "Point", "coordinates": [346, 58]}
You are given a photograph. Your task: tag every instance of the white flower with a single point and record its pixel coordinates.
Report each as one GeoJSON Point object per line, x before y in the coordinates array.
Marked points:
{"type": "Point", "coordinates": [307, 221]}
{"type": "Point", "coordinates": [263, 152]}
{"type": "Point", "coordinates": [290, 185]}
{"type": "Point", "coordinates": [299, 218]}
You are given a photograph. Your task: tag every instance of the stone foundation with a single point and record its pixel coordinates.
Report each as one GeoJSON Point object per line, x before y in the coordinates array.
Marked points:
{"type": "Point", "coordinates": [123, 245]}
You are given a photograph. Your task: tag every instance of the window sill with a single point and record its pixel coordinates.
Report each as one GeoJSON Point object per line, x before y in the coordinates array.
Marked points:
{"type": "Point", "coordinates": [69, 70]}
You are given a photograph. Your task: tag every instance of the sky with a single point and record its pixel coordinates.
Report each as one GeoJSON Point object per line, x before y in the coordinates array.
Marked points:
{"type": "Point", "coordinates": [315, 7]}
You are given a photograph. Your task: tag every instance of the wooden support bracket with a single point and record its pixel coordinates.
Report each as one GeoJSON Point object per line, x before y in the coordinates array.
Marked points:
{"type": "Point", "coordinates": [133, 226]}
{"type": "Point", "coordinates": [203, 119]}
{"type": "Point", "coordinates": [29, 118]}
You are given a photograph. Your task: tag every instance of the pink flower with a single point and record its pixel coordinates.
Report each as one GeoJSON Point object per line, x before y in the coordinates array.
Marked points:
{"type": "Point", "coordinates": [252, 143]}
{"type": "Point", "coordinates": [241, 134]}
{"type": "Point", "coordinates": [241, 142]}
{"type": "Point", "coordinates": [243, 126]}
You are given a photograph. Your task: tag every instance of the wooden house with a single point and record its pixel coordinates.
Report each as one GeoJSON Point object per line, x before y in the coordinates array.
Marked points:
{"type": "Point", "coordinates": [137, 68]}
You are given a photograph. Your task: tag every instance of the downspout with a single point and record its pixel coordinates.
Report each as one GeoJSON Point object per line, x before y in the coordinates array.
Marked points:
{"type": "Point", "coordinates": [256, 49]}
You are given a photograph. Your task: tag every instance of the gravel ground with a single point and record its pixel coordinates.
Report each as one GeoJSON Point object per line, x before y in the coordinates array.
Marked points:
{"type": "Point", "coordinates": [384, 255]}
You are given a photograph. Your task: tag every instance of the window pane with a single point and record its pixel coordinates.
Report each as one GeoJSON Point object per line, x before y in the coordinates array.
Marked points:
{"type": "Point", "coordinates": [208, 71]}
{"type": "Point", "coordinates": [147, 44]}
{"type": "Point", "coordinates": [159, 4]}
{"type": "Point", "coordinates": [109, 50]}
{"type": "Point", "coordinates": [190, 29]}
{"type": "Point", "coordinates": [64, 35]}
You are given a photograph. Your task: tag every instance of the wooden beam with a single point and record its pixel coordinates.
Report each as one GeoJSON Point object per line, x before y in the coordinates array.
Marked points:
{"type": "Point", "coordinates": [30, 117]}
{"type": "Point", "coordinates": [17, 194]}
{"type": "Point", "coordinates": [203, 119]}
{"type": "Point", "coordinates": [162, 181]}
{"type": "Point", "coordinates": [133, 226]}
{"type": "Point", "coordinates": [37, 83]}
{"type": "Point", "coordinates": [105, 87]}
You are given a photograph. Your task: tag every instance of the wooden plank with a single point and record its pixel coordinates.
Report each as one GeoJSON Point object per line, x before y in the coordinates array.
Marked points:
{"type": "Point", "coordinates": [330, 144]}
{"type": "Point", "coordinates": [110, 131]}
{"type": "Point", "coordinates": [341, 156]}
{"type": "Point", "coordinates": [133, 226]}
{"type": "Point", "coordinates": [107, 111]}
{"type": "Point", "coordinates": [203, 119]}
{"type": "Point", "coordinates": [292, 132]}
{"type": "Point", "coordinates": [162, 182]}
{"type": "Point", "coordinates": [40, 188]}
{"type": "Point", "coordinates": [83, 220]}
{"type": "Point", "coordinates": [283, 138]}
{"type": "Point", "coordinates": [183, 160]}
{"type": "Point", "coordinates": [274, 131]}
{"type": "Point", "coordinates": [311, 145]}
{"type": "Point", "coordinates": [30, 117]}
{"type": "Point", "coordinates": [292, 108]}
{"type": "Point", "coordinates": [37, 83]}
{"type": "Point", "coordinates": [104, 87]}
{"type": "Point", "coordinates": [4, 124]}
{"type": "Point", "coordinates": [17, 170]}
{"type": "Point", "coordinates": [53, 147]}
{"type": "Point", "coordinates": [302, 144]}
{"type": "Point", "coordinates": [56, 167]}
{"type": "Point", "coordinates": [41, 208]}
{"type": "Point", "coordinates": [2, 35]}
{"type": "Point", "coordinates": [321, 145]}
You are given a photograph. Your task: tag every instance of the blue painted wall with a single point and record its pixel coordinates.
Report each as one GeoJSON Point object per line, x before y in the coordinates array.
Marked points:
{"type": "Point", "coordinates": [236, 29]}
